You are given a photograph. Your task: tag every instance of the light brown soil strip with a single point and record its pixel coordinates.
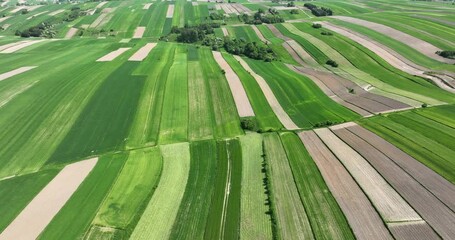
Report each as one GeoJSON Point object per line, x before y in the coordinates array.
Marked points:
{"type": "Point", "coordinates": [271, 99]}
{"type": "Point", "coordinates": [390, 56]}
{"type": "Point", "coordinates": [143, 52]}
{"type": "Point", "coordinates": [386, 200]}
{"type": "Point", "coordinates": [360, 101]}
{"type": "Point", "coordinates": [18, 9]}
{"type": "Point", "coordinates": [256, 30]}
{"type": "Point", "coordinates": [361, 215]}
{"type": "Point", "coordinates": [18, 47]}
{"type": "Point", "coordinates": [280, 8]}
{"type": "Point", "coordinates": [435, 213]}
{"type": "Point", "coordinates": [293, 53]}
{"type": "Point", "coordinates": [71, 33]}
{"type": "Point", "coordinates": [112, 55]}
{"type": "Point", "coordinates": [9, 74]}
{"type": "Point", "coordinates": [170, 11]}
{"type": "Point", "coordinates": [56, 12]}
{"type": "Point", "coordinates": [101, 4]}
{"type": "Point", "coordinates": [439, 186]}
{"type": "Point", "coordinates": [4, 18]}
{"type": "Point", "coordinates": [139, 32]}
{"type": "Point", "coordinates": [147, 6]}
{"type": "Point", "coordinates": [412, 230]}
{"type": "Point", "coordinates": [225, 31]}
{"type": "Point", "coordinates": [241, 100]}
{"type": "Point", "coordinates": [3, 47]}
{"type": "Point", "coordinates": [40, 211]}
{"type": "Point", "coordinates": [98, 20]}
{"type": "Point", "coordinates": [277, 32]}
{"type": "Point", "coordinates": [36, 15]}
{"type": "Point", "coordinates": [416, 43]}
{"type": "Point", "coordinates": [303, 54]}
{"type": "Point", "coordinates": [217, 7]}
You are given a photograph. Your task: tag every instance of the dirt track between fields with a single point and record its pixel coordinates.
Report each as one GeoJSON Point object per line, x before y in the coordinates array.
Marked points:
{"type": "Point", "coordinates": [71, 33]}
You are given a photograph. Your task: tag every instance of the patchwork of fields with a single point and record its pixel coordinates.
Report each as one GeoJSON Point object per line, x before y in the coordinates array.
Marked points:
{"type": "Point", "coordinates": [113, 125]}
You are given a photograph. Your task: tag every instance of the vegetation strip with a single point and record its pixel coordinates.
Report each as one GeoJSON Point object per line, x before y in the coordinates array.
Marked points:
{"type": "Point", "coordinates": [241, 100]}
{"type": "Point", "coordinates": [271, 99]}
{"type": "Point", "coordinates": [255, 223]}
{"type": "Point", "coordinates": [40, 211]}
{"type": "Point", "coordinates": [159, 216]}
{"type": "Point", "coordinates": [363, 219]}
{"type": "Point", "coordinates": [291, 218]}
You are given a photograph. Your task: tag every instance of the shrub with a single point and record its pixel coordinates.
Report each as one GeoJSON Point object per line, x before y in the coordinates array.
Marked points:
{"type": "Point", "coordinates": [332, 63]}
{"type": "Point", "coordinates": [316, 25]}
{"type": "Point", "coordinates": [249, 123]}
{"type": "Point", "coordinates": [446, 54]}
{"type": "Point", "coordinates": [327, 33]}
{"type": "Point", "coordinates": [294, 11]}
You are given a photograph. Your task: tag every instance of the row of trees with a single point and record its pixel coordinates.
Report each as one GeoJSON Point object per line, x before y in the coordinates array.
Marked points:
{"type": "Point", "coordinates": [446, 54]}
{"type": "Point", "coordinates": [318, 12]}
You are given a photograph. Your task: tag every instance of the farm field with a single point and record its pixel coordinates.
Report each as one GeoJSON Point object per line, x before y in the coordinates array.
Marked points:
{"type": "Point", "coordinates": [253, 119]}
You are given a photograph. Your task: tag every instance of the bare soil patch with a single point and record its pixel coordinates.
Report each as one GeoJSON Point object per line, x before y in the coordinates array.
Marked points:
{"type": "Point", "coordinates": [56, 12]}
{"type": "Point", "coordinates": [9, 74]}
{"type": "Point", "coordinates": [440, 217]}
{"type": "Point", "coordinates": [225, 31]}
{"type": "Point", "coordinates": [271, 99]}
{"type": "Point", "coordinates": [71, 33]}
{"type": "Point", "coordinates": [439, 186]}
{"type": "Point", "coordinates": [386, 200]}
{"type": "Point", "coordinates": [241, 100]}
{"type": "Point", "coordinates": [143, 52]}
{"type": "Point", "coordinates": [416, 43]}
{"type": "Point", "coordinates": [20, 46]}
{"type": "Point", "coordinates": [259, 34]}
{"type": "Point", "coordinates": [139, 32]}
{"type": "Point", "coordinates": [170, 11]}
{"type": "Point", "coordinates": [40, 211]}
{"type": "Point", "coordinates": [112, 55]}
{"type": "Point", "coordinates": [412, 230]}
{"type": "Point", "coordinates": [361, 215]}
{"type": "Point", "coordinates": [147, 6]}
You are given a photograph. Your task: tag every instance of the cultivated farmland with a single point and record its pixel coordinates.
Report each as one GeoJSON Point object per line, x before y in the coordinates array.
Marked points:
{"type": "Point", "coordinates": [258, 119]}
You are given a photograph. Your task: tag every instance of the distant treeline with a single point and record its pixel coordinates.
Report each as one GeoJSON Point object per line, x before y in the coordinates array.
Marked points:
{"type": "Point", "coordinates": [319, 12]}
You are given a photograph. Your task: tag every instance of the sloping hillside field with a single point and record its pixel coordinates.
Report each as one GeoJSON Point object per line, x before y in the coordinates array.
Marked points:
{"type": "Point", "coordinates": [249, 119]}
